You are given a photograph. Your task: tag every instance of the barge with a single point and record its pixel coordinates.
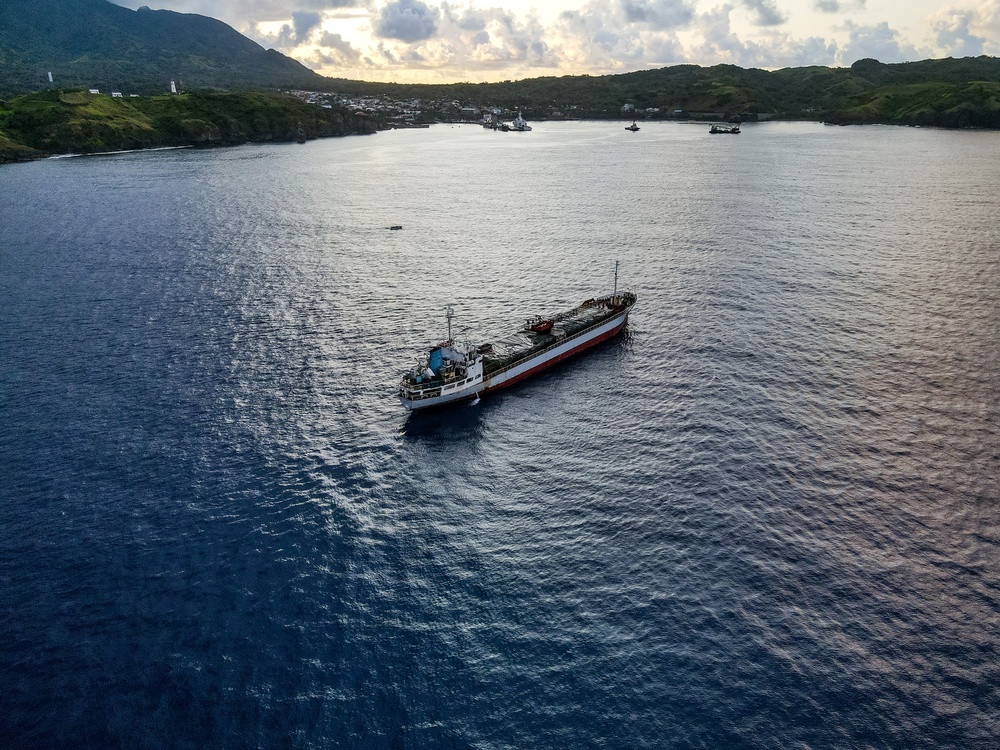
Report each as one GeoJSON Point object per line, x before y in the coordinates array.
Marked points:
{"type": "Point", "coordinates": [452, 372]}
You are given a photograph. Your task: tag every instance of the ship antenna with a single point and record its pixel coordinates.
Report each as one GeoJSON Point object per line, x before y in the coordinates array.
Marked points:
{"type": "Point", "coordinates": [449, 313]}
{"type": "Point", "coordinates": [615, 293]}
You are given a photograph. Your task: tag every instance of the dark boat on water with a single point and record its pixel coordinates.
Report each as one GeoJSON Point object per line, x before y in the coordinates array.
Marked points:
{"type": "Point", "coordinates": [730, 129]}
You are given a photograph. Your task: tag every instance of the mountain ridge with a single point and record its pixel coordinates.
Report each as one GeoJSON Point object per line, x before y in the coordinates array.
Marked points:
{"type": "Point", "coordinates": [97, 44]}
{"type": "Point", "coordinates": [863, 92]}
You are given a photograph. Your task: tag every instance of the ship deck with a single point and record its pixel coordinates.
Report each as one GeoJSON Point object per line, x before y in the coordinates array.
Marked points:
{"type": "Point", "coordinates": [523, 344]}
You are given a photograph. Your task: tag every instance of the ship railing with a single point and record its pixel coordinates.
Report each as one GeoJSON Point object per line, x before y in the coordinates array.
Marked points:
{"type": "Point", "coordinates": [433, 388]}
{"type": "Point", "coordinates": [410, 395]}
{"type": "Point", "coordinates": [436, 382]}
{"type": "Point", "coordinates": [550, 347]}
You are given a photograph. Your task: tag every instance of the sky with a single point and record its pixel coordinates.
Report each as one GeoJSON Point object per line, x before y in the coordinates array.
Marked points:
{"type": "Point", "coordinates": [446, 41]}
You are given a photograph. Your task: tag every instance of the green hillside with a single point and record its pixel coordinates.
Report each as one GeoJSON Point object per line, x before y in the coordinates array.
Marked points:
{"type": "Point", "coordinates": [58, 122]}
{"type": "Point", "coordinates": [949, 105]}
{"type": "Point", "coordinates": [948, 92]}
{"type": "Point", "coordinates": [96, 44]}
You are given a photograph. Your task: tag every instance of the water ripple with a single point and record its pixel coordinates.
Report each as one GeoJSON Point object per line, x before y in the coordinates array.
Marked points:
{"type": "Point", "coordinates": [766, 516]}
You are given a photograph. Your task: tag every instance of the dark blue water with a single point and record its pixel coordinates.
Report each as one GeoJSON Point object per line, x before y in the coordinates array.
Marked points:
{"type": "Point", "coordinates": [767, 516]}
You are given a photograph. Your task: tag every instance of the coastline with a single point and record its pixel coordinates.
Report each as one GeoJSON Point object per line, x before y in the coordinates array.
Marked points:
{"type": "Point", "coordinates": [16, 153]}
{"type": "Point", "coordinates": [63, 123]}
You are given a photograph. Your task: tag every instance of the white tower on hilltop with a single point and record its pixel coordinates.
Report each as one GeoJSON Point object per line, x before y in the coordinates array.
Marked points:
{"type": "Point", "coordinates": [173, 87]}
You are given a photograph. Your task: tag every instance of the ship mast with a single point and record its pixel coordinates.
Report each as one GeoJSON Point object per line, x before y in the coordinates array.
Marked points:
{"type": "Point", "coordinates": [615, 293]}
{"type": "Point", "coordinates": [449, 314]}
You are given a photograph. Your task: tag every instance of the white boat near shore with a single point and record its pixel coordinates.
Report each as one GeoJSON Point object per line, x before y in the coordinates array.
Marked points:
{"type": "Point", "coordinates": [520, 125]}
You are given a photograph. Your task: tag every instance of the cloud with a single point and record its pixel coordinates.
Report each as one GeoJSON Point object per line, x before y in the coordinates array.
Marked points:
{"type": "Point", "coordinates": [237, 12]}
{"type": "Point", "coordinates": [664, 50]}
{"type": "Point", "coordinates": [767, 13]}
{"type": "Point", "coordinates": [386, 54]}
{"type": "Point", "coordinates": [623, 35]}
{"type": "Point", "coordinates": [879, 42]}
{"type": "Point", "coordinates": [412, 40]}
{"type": "Point", "coordinates": [281, 40]}
{"type": "Point", "coordinates": [953, 36]}
{"type": "Point", "coordinates": [657, 14]}
{"type": "Point", "coordinates": [836, 6]}
{"type": "Point", "coordinates": [407, 21]}
{"type": "Point", "coordinates": [811, 51]}
{"type": "Point", "coordinates": [470, 21]}
{"type": "Point", "coordinates": [972, 29]}
{"type": "Point", "coordinates": [775, 49]}
{"type": "Point", "coordinates": [495, 37]}
{"type": "Point", "coordinates": [448, 40]}
{"type": "Point", "coordinates": [340, 50]}
{"type": "Point", "coordinates": [290, 35]}
{"type": "Point", "coordinates": [303, 24]}
{"type": "Point", "coordinates": [719, 41]}
{"type": "Point", "coordinates": [594, 43]}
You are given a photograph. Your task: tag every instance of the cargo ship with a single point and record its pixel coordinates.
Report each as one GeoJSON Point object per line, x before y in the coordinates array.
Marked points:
{"type": "Point", "coordinates": [452, 372]}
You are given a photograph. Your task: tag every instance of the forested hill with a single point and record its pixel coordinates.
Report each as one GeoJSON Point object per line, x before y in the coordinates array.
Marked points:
{"type": "Point", "coordinates": [60, 122]}
{"type": "Point", "coordinates": [96, 44]}
{"type": "Point", "coordinates": [949, 92]}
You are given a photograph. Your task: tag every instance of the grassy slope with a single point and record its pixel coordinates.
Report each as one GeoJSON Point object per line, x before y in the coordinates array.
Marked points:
{"type": "Point", "coordinates": [974, 104]}
{"type": "Point", "coordinates": [77, 122]}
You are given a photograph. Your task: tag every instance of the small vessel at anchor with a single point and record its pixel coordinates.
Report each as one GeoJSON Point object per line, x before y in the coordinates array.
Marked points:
{"type": "Point", "coordinates": [452, 372]}
{"type": "Point", "coordinates": [520, 125]}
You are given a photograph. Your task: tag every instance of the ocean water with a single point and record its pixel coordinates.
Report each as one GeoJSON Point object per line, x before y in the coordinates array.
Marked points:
{"type": "Point", "coordinates": [767, 515]}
